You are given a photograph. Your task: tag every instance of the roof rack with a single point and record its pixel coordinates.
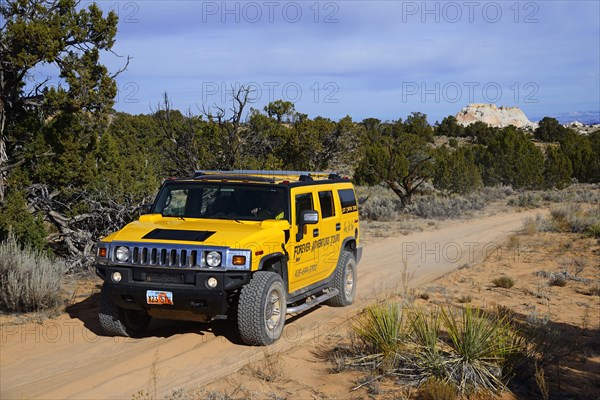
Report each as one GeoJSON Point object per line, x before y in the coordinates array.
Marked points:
{"type": "Point", "coordinates": [266, 175]}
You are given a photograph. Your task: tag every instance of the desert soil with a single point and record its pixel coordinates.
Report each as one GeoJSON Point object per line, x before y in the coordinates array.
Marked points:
{"type": "Point", "coordinates": [67, 356]}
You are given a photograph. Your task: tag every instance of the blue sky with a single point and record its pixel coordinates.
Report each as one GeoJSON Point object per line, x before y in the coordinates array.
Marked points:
{"type": "Point", "coordinates": [380, 59]}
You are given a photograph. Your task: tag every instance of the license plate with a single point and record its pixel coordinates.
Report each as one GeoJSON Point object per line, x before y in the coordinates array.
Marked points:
{"type": "Point", "coordinates": [159, 297]}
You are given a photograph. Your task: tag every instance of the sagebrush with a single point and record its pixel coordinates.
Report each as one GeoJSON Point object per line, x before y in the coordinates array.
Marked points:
{"type": "Point", "coordinates": [30, 280]}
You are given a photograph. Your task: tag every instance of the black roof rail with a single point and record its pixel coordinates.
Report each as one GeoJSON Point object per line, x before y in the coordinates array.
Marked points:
{"type": "Point", "coordinates": [266, 175]}
{"type": "Point", "coordinates": [232, 177]}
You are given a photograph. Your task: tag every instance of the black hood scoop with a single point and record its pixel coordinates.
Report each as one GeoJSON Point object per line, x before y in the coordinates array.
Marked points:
{"type": "Point", "coordinates": [178, 234]}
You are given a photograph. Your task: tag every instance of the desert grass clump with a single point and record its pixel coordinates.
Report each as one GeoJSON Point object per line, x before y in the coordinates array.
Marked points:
{"type": "Point", "coordinates": [505, 282]}
{"type": "Point", "coordinates": [594, 230]}
{"type": "Point", "coordinates": [437, 389]}
{"type": "Point", "coordinates": [30, 280]}
{"type": "Point", "coordinates": [533, 225]}
{"type": "Point", "coordinates": [558, 279]}
{"type": "Point", "coordinates": [465, 298]}
{"type": "Point", "coordinates": [269, 369]}
{"type": "Point", "coordinates": [594, 290]}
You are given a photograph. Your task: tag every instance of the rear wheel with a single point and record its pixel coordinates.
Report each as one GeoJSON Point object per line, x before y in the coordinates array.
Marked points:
{"type": "Point", "coordinates": [344, 280]}
{"type": "Point", "coordinates": [117, 321]}
{"type": "Point", "coordinates": [261, 309]}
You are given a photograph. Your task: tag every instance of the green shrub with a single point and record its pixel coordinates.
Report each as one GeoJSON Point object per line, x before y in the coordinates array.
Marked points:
{"type": "Point", "coordinates": [505, 282]}
{"type": "Point", "coordinates": [29, 279]}
{"type": "Point", "coordinates": [574, 218]}
{"type": "Point", "coordinates": [491, 193]}
{"type": "Point", "coordinates": [378, 203]}
{"type": "Point", "coordinates": [380, 209]}
{"type": "Point", "coordinates": [14, 218]}
{"type": "Point", "coordinates": [525, 200]}
{"type": "Point", "coordinates": [446, 207]}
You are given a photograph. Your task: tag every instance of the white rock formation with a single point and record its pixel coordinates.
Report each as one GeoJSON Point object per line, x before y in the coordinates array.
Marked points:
{"type": "Point", "coordinates": [494, 116]}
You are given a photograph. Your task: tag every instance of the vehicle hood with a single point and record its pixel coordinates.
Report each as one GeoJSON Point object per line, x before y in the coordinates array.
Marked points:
{"type": "Point", "coordinates": [154, 228]}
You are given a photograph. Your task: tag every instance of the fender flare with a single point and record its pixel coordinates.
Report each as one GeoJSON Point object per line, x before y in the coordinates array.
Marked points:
{"type": "Point", "coordinates": [279, 257]}
{"type": "Point", "coordinates": [350, 242]}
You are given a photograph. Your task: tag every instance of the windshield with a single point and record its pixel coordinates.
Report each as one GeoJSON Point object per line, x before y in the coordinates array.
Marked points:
{"type": "Point", "coordinates": [222, 201]}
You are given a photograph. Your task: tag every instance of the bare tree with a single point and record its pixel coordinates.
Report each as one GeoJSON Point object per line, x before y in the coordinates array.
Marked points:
{"type": "Point", "coordinates": [230, 127]}
{"type": "Point", "coordinates": [181, 132]}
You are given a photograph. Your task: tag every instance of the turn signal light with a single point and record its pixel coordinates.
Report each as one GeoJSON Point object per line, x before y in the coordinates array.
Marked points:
{"type": "Point", "coordinates": [239, 260]}
{"type": "Point", "coordinates": [102, 252]}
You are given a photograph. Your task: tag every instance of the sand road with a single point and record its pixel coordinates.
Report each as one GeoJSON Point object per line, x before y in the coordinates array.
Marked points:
{"type": "Point", "coordinates": [68, 358]}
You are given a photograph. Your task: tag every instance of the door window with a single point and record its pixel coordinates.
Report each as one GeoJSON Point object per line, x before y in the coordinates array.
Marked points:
{"type": "Point", "coordinates": [326, 203]}
{"type": "Point", "coordinates": [303, 202]}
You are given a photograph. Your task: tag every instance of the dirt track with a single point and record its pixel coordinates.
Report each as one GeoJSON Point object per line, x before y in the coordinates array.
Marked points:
{"type": "Point", "coordinates": [67, 358]}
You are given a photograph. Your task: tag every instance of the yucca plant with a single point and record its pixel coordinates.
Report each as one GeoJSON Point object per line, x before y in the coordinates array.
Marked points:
{"type": "Point", "coordinates": [479, 344]}
{"type": "Point", "coordinates": [381, 328]}
{"type": "Point", "coordinates": [425, 328]}
{"type": "Point", "coordinates": [425, 333]}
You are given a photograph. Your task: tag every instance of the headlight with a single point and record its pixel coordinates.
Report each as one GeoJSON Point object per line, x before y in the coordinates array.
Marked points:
{"type": "Point", "coordinates": [122, 253]}
{"type": "Point", "coordinates": [213, 258]}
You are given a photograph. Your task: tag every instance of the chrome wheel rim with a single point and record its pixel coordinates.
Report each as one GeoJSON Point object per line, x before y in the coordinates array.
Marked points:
{"type": "Point", "coordinates": [349, 280]}
{"type": "Point", "coordinates": [273, 310]}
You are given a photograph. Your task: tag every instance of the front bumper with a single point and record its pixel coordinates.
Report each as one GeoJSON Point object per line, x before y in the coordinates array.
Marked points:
{"type": "Point", "coordinates": [189, 288]}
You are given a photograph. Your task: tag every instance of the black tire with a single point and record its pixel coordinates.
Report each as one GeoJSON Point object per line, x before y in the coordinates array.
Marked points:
{"type": "Point", "coordinates": [344, 280]}
{"type": "Point", "coordinates": [117, 321]}
{"type": "Point", "coordinates": [262, 309]}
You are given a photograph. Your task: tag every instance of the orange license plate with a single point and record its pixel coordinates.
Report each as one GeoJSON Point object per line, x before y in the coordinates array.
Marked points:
{"type": "Point", "coordinates": [159, 297]}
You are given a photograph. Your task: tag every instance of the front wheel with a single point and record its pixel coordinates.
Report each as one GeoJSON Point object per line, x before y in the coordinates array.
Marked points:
{"type": "Point", "coordinates": [117, 321]}
{"type": "Point", "coordinates": [344, 280]}
{"type": "Point", "coordinates": [261, 309]}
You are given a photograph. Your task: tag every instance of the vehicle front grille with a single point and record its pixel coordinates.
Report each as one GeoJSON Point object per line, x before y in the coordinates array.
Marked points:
{"type": "Point", "coordinates": [164, 278]}
{"type": "Point", "coordinates": [176, 256]}
{"type": "Point", "coordinates": [164, 255]}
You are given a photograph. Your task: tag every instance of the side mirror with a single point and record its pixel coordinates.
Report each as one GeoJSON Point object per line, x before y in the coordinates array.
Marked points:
{"type": "Point", "coordinates": [307, 217]}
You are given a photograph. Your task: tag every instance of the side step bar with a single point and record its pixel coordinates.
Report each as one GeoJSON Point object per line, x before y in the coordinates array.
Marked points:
{"type": "Point", "coordinates": [310, 304]}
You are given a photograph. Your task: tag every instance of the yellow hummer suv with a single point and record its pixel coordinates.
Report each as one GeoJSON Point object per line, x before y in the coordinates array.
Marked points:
{"type": "Point", "coordinates": [249, 245]}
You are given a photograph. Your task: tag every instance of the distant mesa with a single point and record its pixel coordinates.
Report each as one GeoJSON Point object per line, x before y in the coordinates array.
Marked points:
{"type": "Point", "coordinates": [578, 118]}
{"type": "Point", "coordinates": [494, 116]}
